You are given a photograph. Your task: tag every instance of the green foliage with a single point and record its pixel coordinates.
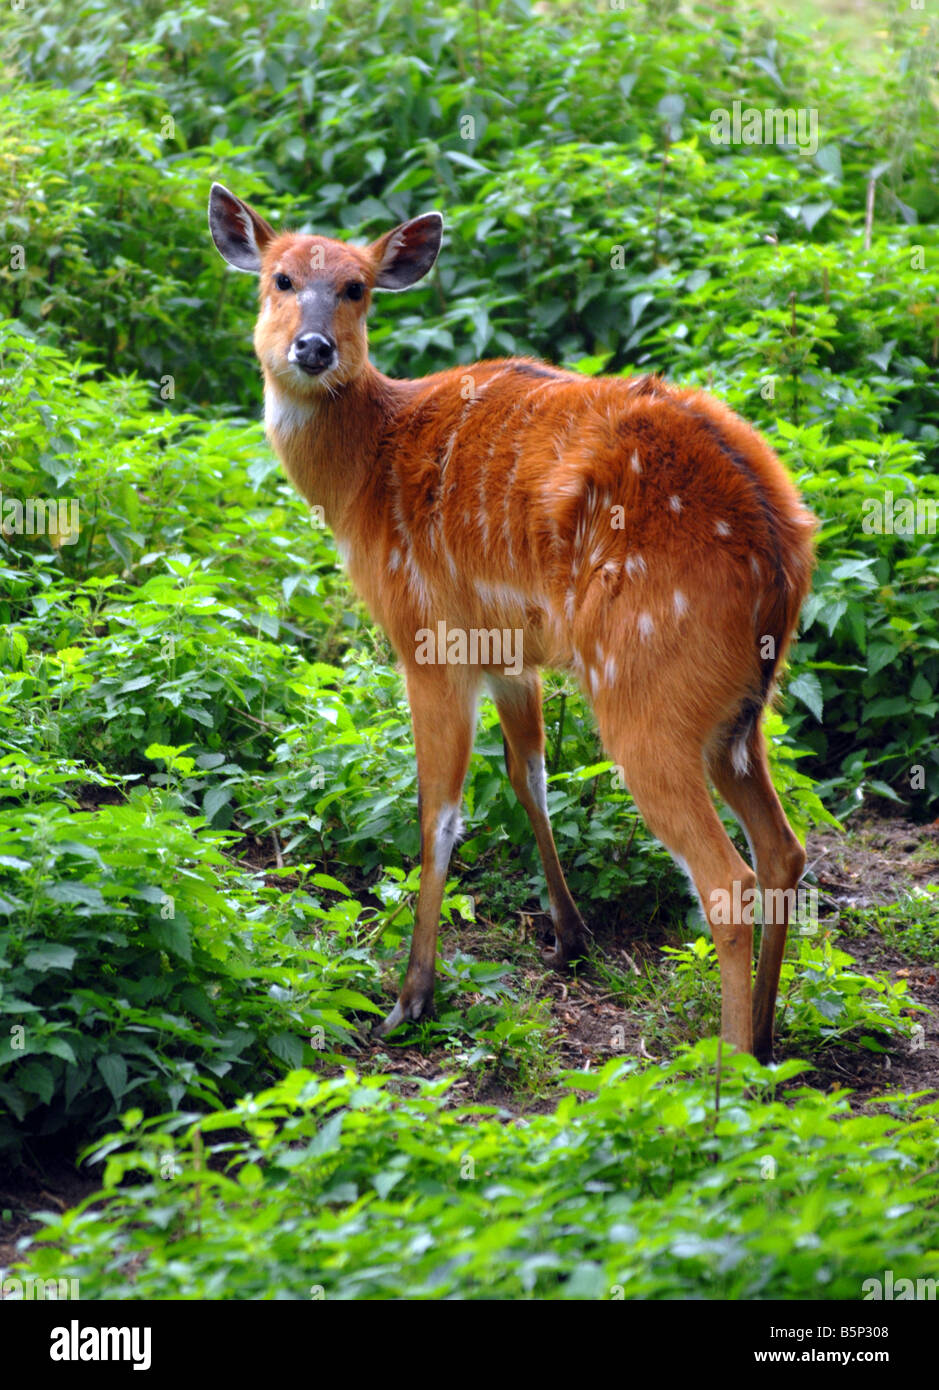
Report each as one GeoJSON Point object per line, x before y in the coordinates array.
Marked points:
{"type": "Point", "coordinates": [137, 963]}
{"type": "Point", "coordinates": [207, 847]}
{"type": "Point", "coordinates": [343, 1189]}
{"type": "Point", "coordinates": [868, 658]}
{"type": "Point", "coordinates": [822, 999]}
{"type": "Point", "coordinates": [558, 145]}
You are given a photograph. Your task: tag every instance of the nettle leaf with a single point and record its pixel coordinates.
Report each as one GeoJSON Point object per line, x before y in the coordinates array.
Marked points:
{"type": "Point", "coordinates": [214, 799]}
{"type": "Point", "coordinates": [828, 157]}
{"type": "Point", "coordinates": [58, 1047]}
{"type": "Point", "coordinates": [136, 683]}
{"type": "Point", "coordinates": [10, 861]}
{"type": "Point", "coordinates": [173, 935]}
{"type": "Point", "coordinates": [288, 1047]}
{"type": "Point", "coordinates": [879, 655]}
{"type": "Point", "coordinates": [37, 1079]}
{"type": "Point", "coordinates": [13, 1098]}
{"type": "Point", "coordinates": [808, 688]}
{"type": "Point", "coordinates": [830, 1006]}
{"type": "Point", "coordinates": [52, 955]}
{"type": "Point", "coordinates": [326, 1139]}
{"type": "Point", "coordinates": [83, 894]}
{"type": "Point", "coordinates": [113, 1069]}
{"type": "Point", "coordinates": [200, 715]}
{"type": "Point", "coordinates": [637, 304]}
{"type": "Point", "coordinates": [149, 893]}
{"type": "Point", "coordinates": [812, 213]}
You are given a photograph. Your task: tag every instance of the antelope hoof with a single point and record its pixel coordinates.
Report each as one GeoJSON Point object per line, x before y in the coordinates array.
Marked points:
{"type": "Point", "coordinates": [419, 1006]}
{"type": "Point", "coordinates": [567, 948]}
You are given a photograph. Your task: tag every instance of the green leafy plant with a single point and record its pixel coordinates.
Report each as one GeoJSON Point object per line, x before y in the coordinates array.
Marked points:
{"type": "Point", "coordinates": [824, 1000]}
{"type": "Point", "coordinates": [640, 1189]}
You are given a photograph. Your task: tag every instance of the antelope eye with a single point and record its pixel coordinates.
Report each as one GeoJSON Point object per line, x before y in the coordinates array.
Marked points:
{"type": "Point", "coordinates": [355, 289]}
{"type": "Point", "coordinates": [283, 282]}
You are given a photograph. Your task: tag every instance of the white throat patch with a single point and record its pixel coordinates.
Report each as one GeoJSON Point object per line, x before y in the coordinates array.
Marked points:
{"type": "Point", "coordinates": [283, 413]}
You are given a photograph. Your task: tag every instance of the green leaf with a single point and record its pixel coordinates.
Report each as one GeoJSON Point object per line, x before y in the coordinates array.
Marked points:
{"type": "Point", "coordinates": [812, 213]}
{"type": "Point", "coordinates": [113, 1069]}
{"type": "Point", "coordinates": [288, 1047]}
{"type": "Point", "coordinates": [52, 955]}
{"type": "Point", "coordinates": [828, 157]}
{"type": "Point", "coordinates": [58, 1047]}
{"type": "Point", "coordinates": [213, 801]}
{"type": "Point", "coordinates": [85, 894]}
{"type": "Point", "coordinates": [36, 1078]}
{"type": "Point", "coordinates": [808, 688]}
{"type": "Point", "coordinates": [172, 934]}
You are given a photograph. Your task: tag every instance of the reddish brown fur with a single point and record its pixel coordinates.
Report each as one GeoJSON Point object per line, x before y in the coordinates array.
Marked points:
{"type": "Point", "coordinates": [486, 496]}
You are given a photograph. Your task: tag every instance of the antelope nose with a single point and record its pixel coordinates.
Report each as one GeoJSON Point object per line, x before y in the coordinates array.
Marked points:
{"type": "Point", "coordinates": [314, 351]}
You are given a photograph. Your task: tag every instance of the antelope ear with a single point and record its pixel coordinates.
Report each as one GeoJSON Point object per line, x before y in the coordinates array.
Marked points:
{"type": "Point", "coordinates": [403, 256]}
{"type": "Point", "coordinates": [238, 231]}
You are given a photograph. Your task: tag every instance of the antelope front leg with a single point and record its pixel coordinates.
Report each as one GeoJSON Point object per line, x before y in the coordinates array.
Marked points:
{"type": "Point", "coordinates": [443, 712]}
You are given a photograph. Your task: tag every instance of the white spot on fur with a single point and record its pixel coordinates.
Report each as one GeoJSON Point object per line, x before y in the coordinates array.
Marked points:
{"type": "Point", "coordinates": [490, 380]}
{"type": "Point", "coordinates": [448, 450]}
{"type": "Point", "coordinates": [755, 566]}
{"type": "Point", "coordinates": [538, 784]}
{"type": "Point", "coordinates": [646, 625]}
{"type": "Point", "coordinates": [675, 504]}
{"type": "Point", "coordinates": [635, 464]}
{"type": "Point", "coordinates": [680, 602]}
{"type": "Point", "coordinates": [394, 560]}
{"type": "Point", "coordinates": [634, 564]}
{"type": "Point", "coordinates": [505, 594]}
{"type": "Point", "coordinates": [609, 670]}
{"type": "Point", "coordinates": [721, 528]}
{"type": "Point", "coordinates": [571, 487]}
{"type": "Point", "coordinates": [449, 826]}
{"type": "Point", "coordinates": [416, 580]}
{"type": "Point", "coordinates": [740, 757]}
{"type": "Point", "coordinates": [594, 680]}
